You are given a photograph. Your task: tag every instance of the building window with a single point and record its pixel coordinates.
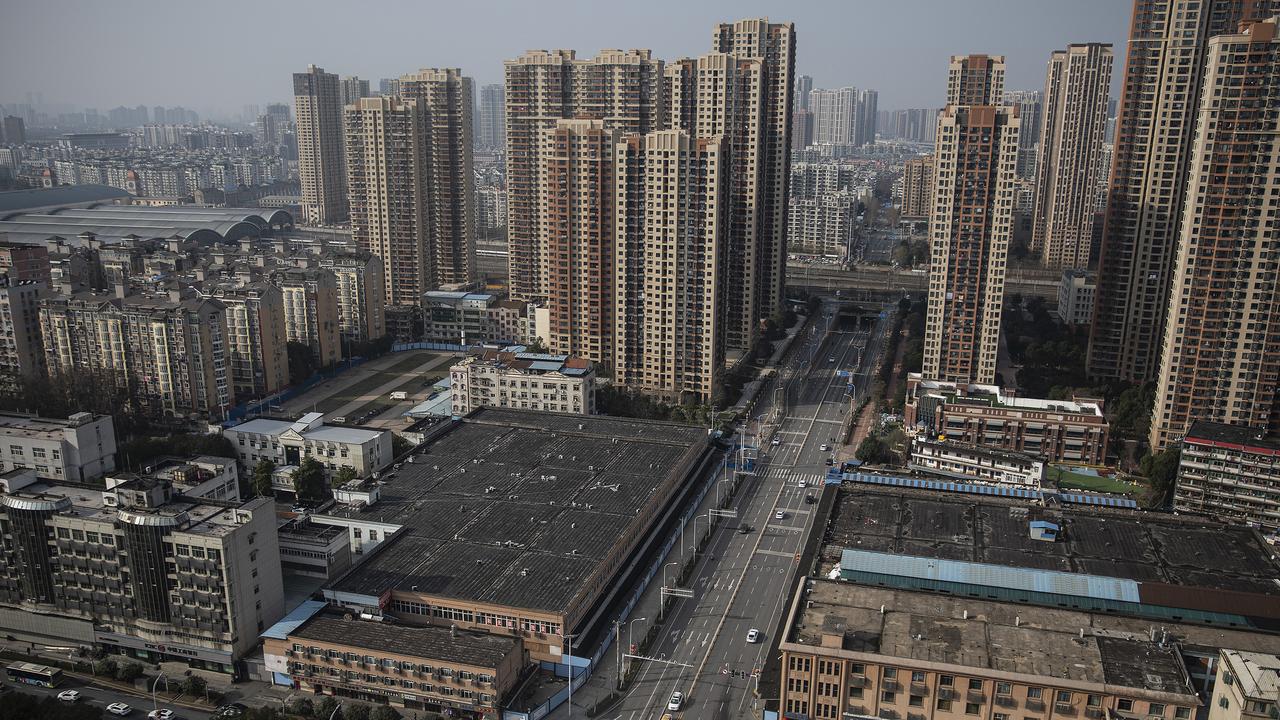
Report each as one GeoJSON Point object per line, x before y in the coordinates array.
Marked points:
{"type": "Point", "coordinates": [971, 708]}
{"type": "Point", "coordinates": [1035, 693]}
{"type": "Point", "coordinates": [915, 700]}
{"type": "Point", "coordinates": [1182, 713]}
{"type": "Point", "coordinates": [975, 684]}
{"type": "Point", "coordinates": [1124, 705]}
{"type": "Point", "coordinates": [1064, 697]}
{"type": "Point", "coordinates": [944, 705]}
{"type": "Point", "coordinates": [1155, 709]}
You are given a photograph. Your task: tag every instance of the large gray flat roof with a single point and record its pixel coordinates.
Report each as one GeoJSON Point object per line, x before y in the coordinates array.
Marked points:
{"type": "Point", "coordinates": [518, 507]}
{"type": "Point", "coordinates": [484, 650]}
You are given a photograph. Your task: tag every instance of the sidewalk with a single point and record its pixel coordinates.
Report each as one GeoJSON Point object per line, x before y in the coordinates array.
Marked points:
{"type": "Point", "coordinates": [598, 693]}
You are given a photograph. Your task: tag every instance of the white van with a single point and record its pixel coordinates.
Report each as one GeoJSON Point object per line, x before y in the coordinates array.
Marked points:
{"type": "Point", "coordinates": [400, 395]}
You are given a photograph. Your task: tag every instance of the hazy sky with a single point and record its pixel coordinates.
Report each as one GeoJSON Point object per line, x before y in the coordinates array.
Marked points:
{"type": "Point", "coordinates": [227, 53]}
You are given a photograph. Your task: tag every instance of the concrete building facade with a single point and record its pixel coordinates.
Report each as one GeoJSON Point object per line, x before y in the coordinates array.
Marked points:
{"type": "Point", "coordinates": [309, 298]}
{"type": "Point", "coordinates": [1163, 83]}
{"type": "Point", "coordinates": [255, 341]}
{"type": "Point", "coordinates": [834, 115]}
{"type": "Point", "coordinates": [360, 294]}
{"type": "Point", "coordinates": [80, 448]}
{"type": "Point", "coordinates": [671, 225]}
{"type": "Point", "coordinates": [317, 103]}
{"type": "Point", "coordinates": [1221, 352]}
{"type": "Point", "coordinates": [529, 381]}
{"type": "Point", "coordinates": [1076, 88]}
{"type": "Point", "coordinates": [1231, 472]}
{"type": "Point", "coordinates": [1077, 292]}
{"type": "Point", "coordinates": [289, 442]}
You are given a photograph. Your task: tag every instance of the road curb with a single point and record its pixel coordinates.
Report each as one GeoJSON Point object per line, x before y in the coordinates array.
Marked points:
{"type": "Point", "coordinates": [104, 684]}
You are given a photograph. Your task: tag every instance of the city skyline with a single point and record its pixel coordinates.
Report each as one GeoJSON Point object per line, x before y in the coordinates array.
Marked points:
{"type": "Point", "coordinates": [840, 45]}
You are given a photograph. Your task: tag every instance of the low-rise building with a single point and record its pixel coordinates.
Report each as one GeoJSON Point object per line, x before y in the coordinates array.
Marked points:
{"type": "Point", "coordinates": [203, 476]}
{"type": "Point", "coordinates": [1247, 687]}
{"type": "Point", "coordinates": [289, 442]}
{"type": "Point", "coordinates": [314, 550]}
{"type": "Point", "coordinates": [137, 568]}
{"type": "Point", "coordinates": [1076, 293]}
{"type": "Point", "coordinates": [1061, 431]}
{"type": "Point", "coordinates": [78, 449]}
{"type": "Point", "coordinates": [458, 317]}
{"type": "Point", "coordinates": [1231, 472]}
{"type": "Point", "coordinates": [976, 463]}
{"type": "Point", "coordinates": [446, 670]}
{"type": "Point", "coordinates": [530, 381]}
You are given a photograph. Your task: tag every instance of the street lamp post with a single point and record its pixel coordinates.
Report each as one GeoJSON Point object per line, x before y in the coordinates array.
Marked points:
{"type": "Point", "coordinates": [630, 647]}
{"type": "Point", "coordinates": [662, 604]}
{"type": "Point", "coordinates": [154, 683]}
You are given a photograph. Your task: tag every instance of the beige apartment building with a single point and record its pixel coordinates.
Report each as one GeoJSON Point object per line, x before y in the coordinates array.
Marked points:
{"type": "Point", "coordinates": [1231, 472]}
{"type": "Point", "coordinates": [530, 381]}
{"type": "Point", "coordinates": [1247, 686]}
{"type": "Point", "coordinates": [975, 172]}
{"type": "Point", "coordinates": [1076, 89]}
{"type": "Point", "coordinates": [255, 339]}
{"type": "Point", "coordinates": [21, 347]}
{"type": "Point", "coordinates": [975, 80]}
{"type": "Point", "coordinates": [917, 190]}
{"type": "Point", "coordinates": [622, 89]}
{"type": "Point", "coordinates": [310, 300]}
{"type": "Point", "coordinates": [177, 352]}
{"type": "Point", "coordinates": [1155, 127]}
{"type": "Point", "coordinates": [576, 228]}
{"type": "Point", "coordinates": [390, 203]}
{"type": "Point", "coordinates": [1221, 353]}
{"type": "Point", "coordinates": [833, 115]}
{"type": "Point", "coordinates": [671, 230]}
{"type": "Point", "coordinates": [138, 568]}
{"type": "Point", "coordinates": [317, 103]}
{"type": "Point", "coordinates": [863, 651]}
{"type": "Point", "coordinates": [463, 673]}
{"type": "Point", "coordinates": [445, 97]}
{"type": "Point", "coordinates": [360, 294]}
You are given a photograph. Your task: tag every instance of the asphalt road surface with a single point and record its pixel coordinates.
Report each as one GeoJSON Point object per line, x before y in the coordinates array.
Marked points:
{"type": "Point", "coordinates": [743, 581]}
{"type": "Point", "coordinates": [100, 698]}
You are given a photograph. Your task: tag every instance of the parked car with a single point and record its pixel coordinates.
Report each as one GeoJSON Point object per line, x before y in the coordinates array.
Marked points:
{"type": "Point", "coordinates": [161, 714]}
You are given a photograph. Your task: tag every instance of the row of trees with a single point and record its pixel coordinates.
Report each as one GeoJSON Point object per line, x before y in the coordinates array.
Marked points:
{"type": "Point", "coordinates": [323, 709]}
{"type": "Point", "coordinates": [308, 479]}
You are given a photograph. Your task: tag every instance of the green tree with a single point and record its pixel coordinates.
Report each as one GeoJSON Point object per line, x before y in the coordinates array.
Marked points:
{"type": "Point", "coordinates": [302, 363]}
{"type": "Point", "coordinates": [343, 476]}
{"type": "Point", "coordinates": [308, 480]}
{"type": "Point", "coordinates": [128, 672]}
{"type": "Point", "coordinates": [262, 473]}
{"type": "Point", "coordinates": [355, 711]}
{"type": "Point", "coordinates": [194, 685]}
{"type": "Point", "coordinates": [872, 450]}
{"type": "Point", "coordinates": [537, 346]}
{"type": "Point", "coordinates": [324, 707]}
{"type": "Point", "coordinates": [384, 712]}
{"type": "Point", "coordinates": [106, 667]}
{"type": "Point", "coordinates": [1161, 471]}
{"type": "Point", "coordinates": [302, 707]}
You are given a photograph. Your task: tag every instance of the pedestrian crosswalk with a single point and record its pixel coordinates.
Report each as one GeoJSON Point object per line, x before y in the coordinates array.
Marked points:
{"type": "Point", "coordinates": [791, 476]}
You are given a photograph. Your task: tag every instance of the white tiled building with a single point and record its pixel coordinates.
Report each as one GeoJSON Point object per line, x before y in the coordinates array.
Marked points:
{"type": "Point", "coordinates": [288, 442]}
{"type": "Point", "coordinates": [79, 448]}
{"type": "Point", "coordinates": [554, 383]}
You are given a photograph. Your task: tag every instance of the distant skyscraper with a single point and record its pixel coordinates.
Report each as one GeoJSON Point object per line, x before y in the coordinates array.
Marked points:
{"type": "Point", "coordinates": [446, 98]}
{"type": "Point", "coordinates": [1029, 104]}
{"type": "Point", "coordinates": [1221, 354]}
{"type": "Point", "coordinates": [804, 84]}
{"type": "Point", "coordinates": [158, 115]}
{"type": "Point", "coordinates": [15, 130]}
{"type": "Point", "coordinates": [1075, 114]}
{"type": "Point", "coordinates": [576, 196]}
{"type": "Point", "coordinates": [760, 169]}
{"type": "Point", "coordinates": [623, 89]}
{"type": "Point", "coordinates": [389, 86]}
{"type": "Point", "coordinates": [321, 169]}
{"type": "Point", "coordinates": [975, 80]}
{"type": "Point", "coordinates": [353, 88]}
{"type": "Point", "coordinates": [917, 190]}
{"type": "Point", "coordinates": [492, 122]}
{"type": "Point", "coordinates": [834, 115]}
{"type": "Point", "coordinates": [971, 225]}
{"type": "Point", "coordinates": [672, 223]}
{"type": "Point", "coordinates": [801, 129]}
{"type": "Point", "coordinates": [1153, 143]}
{"type": "Point", "coordinates": [865, 115]}
{"type": "Point", "coordinates": [390, 205]}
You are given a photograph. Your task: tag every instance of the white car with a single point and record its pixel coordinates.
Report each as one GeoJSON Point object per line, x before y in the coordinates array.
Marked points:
{"type": "Point", "coordinates": [119, 709]}
{"type": "Point", "coordinates": [775, 442]}
{"type": "Point", "coordinates": [831, 359]}
{"type": "Point", "coordinates": [825, 447]}
{"type": "Point", "coordinates": [802, 482]}
{"type": "Point", "coordinates": [69, 695]}
{"type": "Point", "coordinates": [161, 714]}
{"type": "Point", "coordinates": [677, 700]}
{"type": "Point", "coordinates": [753, 635]}
{"type": "Point", "coordinates": [780, 515]}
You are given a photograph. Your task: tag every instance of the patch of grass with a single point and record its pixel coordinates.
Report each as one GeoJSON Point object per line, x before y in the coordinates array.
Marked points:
{"type": "Point", "coordinates": [1068, 480]}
